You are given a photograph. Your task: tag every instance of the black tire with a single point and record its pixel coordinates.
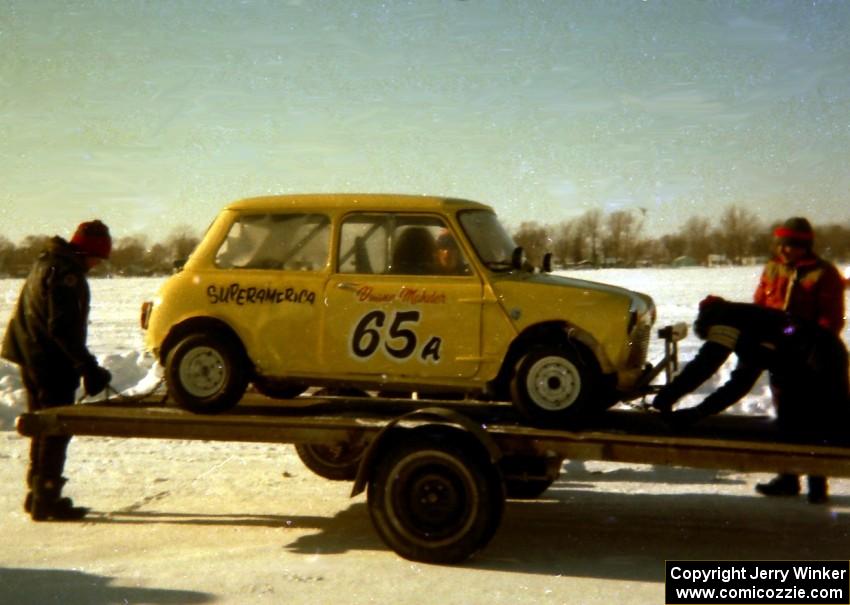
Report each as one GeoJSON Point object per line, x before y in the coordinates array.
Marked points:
{"type": "Point", "coordinates": [553, 386]}
{"type": "Point", "coordinates": [435, 502]}
{"type": "Point", "coordinates": [277, 389]}
{"type": "Point", "coordinates": [206, 373]}
{"type": "Point", "coordinates": [336, 461]}
{"type": "Point", "coordinates": [526, 489]}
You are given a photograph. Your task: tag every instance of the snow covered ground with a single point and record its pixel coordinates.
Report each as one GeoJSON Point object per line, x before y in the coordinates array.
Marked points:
{"type": "Point", "coordinates": [204, 522]}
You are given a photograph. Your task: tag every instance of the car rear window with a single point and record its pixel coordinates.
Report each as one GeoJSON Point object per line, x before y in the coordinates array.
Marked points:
{"type": "Point", "coordinates": [289, 242]}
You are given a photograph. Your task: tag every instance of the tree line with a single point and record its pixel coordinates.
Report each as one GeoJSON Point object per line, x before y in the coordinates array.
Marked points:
{"type": "Point", "coordinates": [132, 256]}
{"type": "Point", "coordinates": [616, 239]}
{"type": "Point", "coordinates": [594, 239]}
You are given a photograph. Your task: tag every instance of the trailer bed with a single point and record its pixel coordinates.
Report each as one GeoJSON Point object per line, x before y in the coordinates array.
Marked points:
{"type": "Point", "coordinates": [742, 443]}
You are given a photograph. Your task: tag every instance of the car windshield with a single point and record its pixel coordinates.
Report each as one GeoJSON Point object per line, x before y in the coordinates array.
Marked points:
{"type": "Point", "coordinates": [489, 238]}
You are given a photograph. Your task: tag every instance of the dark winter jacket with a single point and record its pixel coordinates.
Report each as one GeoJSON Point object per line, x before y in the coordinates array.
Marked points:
{"type": "Point", "coordinates": [813, 290]}
{"type": "Point", "coordinates": [48, 330]}
{"type": "Point", "coordinates": [807, 364]}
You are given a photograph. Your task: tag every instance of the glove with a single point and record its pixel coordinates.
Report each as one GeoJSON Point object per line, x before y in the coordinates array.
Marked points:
{"type": "Point", "coordinates": [664, 402]}
{"type": "Point", "coordinates": [95, 379]}
{"type": "Point", "coordinates": [683, 418]}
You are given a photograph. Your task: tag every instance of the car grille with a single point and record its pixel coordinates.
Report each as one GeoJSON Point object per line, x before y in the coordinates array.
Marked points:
{"type": "Point", "coordinates": [639, 344]}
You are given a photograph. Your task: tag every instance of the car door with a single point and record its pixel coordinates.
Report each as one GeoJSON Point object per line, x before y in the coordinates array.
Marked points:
{"type": "Point", "coordinates": [393, 309]}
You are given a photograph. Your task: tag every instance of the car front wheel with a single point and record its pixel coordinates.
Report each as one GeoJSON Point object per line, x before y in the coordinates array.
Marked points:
{"type": "Point", "coordinates": [205, 373]}
{"type": "Point", "coordinates": [552, 385]}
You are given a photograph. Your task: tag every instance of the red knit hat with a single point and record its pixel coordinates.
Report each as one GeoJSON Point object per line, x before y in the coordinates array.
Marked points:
{"type": "Point", "coordinates": [92, 239]}
{"type": "Point", "coordinates": [796, 231]}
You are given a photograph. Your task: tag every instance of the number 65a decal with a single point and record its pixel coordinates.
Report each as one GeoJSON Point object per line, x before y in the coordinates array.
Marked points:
{"type": "Point", "coordinates": [399, 342]}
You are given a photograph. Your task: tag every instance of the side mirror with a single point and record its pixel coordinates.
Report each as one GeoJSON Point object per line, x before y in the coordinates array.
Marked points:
{"type": "Point", "coordinates": [518, 258]}
{"type": "Point", "coordinates": [546, 266]}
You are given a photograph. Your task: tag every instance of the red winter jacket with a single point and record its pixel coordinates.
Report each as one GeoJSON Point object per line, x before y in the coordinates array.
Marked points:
{"type": "Point", "coordinates": [813, 290]}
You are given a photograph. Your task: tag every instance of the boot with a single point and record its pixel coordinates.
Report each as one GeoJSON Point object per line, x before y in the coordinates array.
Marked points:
{"type": "Point", "coordinates": [28, 498]}
{"type": "Point", "coordinates": [46, 503]}
{"type": "Point", "coordinates": [781, 485]}
{"type": "Point", "coordinates": [818, 492]}
{"type": "Point", "coordinates": [63, 503]}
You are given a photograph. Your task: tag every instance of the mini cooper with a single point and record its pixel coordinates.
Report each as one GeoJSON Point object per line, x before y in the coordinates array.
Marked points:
{"type": "Point", "coordinates": [389, 293]}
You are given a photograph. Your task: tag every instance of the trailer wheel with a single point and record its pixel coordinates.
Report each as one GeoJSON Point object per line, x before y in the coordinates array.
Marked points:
{"type": "Point", "coordinates": [553, 385]}
{"type": "Point", "coordinates": [435, 502]}
{"type": "Point", "coordinates": [206, 373]}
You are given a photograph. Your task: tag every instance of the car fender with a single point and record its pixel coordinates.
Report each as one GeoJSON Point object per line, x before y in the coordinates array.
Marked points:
{"type": "Point", "coordinates": [198, 323]}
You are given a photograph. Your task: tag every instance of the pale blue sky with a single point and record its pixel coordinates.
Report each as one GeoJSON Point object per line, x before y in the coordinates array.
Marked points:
{"type": "Point", "coordinates": [154, 114]}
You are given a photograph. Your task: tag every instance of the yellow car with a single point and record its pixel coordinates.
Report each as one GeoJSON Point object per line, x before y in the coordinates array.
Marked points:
{"type": "Point", "coordinates": [392, 293]}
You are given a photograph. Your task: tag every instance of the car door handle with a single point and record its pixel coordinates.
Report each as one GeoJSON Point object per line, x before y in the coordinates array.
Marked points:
{"type": "Point", "coordinates": [347, 285]}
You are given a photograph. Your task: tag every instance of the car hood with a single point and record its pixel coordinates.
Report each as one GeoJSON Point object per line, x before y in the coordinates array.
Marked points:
{"type": "Point", "coordinates": [534, 297]}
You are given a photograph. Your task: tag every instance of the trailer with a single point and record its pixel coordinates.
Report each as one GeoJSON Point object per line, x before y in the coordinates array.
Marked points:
{"type": "Point", "coordinates": [437, 473]}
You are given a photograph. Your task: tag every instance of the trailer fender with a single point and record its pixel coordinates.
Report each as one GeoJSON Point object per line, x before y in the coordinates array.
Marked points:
{"type": "Point", "coordinates": [426, 417]}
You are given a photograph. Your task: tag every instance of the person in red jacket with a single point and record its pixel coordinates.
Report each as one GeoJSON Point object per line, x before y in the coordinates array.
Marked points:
{"type": "Point", "coordinates": [807, 287]}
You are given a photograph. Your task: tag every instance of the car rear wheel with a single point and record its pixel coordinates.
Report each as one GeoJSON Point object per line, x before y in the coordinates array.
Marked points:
{"type": "Point", "coordinates": [206, 373]}
{"type": "Point", "coordinates": [552, 385]}
{"type": "Point", "coordinates": [335, 461]}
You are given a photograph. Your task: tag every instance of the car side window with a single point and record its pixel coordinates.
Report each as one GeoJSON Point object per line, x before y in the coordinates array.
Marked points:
{"type": "Point", "coordinates": [289, 242]}
{"type": "Point", "coordinates": [363, 244]}
{"type": "Point", "coordinates": [399, 244]}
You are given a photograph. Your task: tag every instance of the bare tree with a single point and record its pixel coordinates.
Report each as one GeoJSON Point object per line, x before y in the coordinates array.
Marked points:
{"type": "Point", "coordinates": [737, 233]}
{"type": "Point", "coordinates": [697, 234]}
{"type": "Point", "coordinates": [621, 238]}
{"type": "Point", "coordinates": [534, 239]}
{"type": "Point", "coordinates": [590, 230]}
{"type": "Point", "coordinates": [671, 247]}
{"type": "Point", "coordinates": [128, 255]}
{"type": "Point", "coordinates": [562, 241]}
{"type": "Point", "coordinates": [181, 244]}
{"type": "Point", "coordinates": [833, 242]}
{"type": "Point", "coordinates": [7, 248]}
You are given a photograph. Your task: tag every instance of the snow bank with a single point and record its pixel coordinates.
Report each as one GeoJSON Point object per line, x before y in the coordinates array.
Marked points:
{"type": "Point", "coordinates": [114, 338]}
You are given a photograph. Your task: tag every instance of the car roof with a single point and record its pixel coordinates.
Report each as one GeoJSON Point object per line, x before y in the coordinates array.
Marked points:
{"type": "Point", "coordinates": [360, 201]}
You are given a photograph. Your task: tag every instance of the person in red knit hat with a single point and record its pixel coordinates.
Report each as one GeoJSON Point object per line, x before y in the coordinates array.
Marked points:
{"type": "Point", "coordinates": [806, 287]}
{"type": "Point", "coordinates": [46, 337]}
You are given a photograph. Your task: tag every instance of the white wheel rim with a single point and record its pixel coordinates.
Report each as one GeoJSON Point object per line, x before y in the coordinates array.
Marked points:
{"type": "Point", "coordinates": [203, 372]}
{"type": "Point", "coordinates": [553, 383]}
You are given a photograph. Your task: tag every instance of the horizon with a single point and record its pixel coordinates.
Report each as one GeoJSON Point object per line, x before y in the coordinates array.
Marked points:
{"type": "Point", "coordinates": [196, 231]}
{"type": "Point", "coordinates": [155, 116]}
